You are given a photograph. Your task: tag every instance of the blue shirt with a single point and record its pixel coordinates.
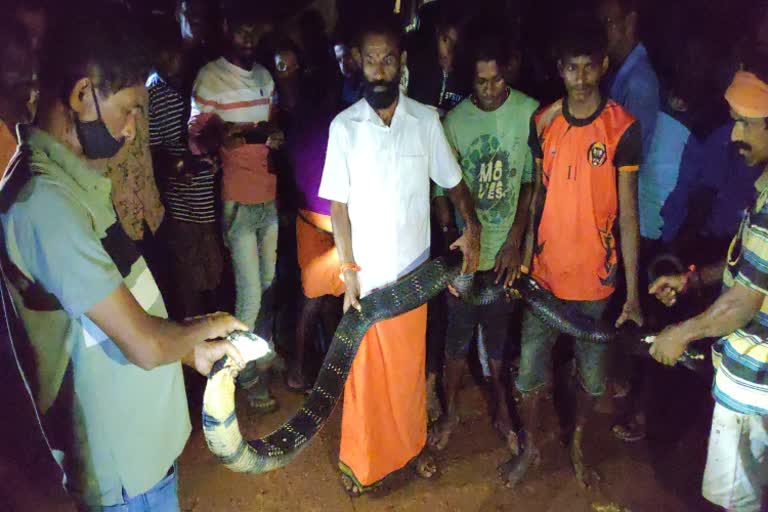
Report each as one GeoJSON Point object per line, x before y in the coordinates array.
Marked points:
{"type": "Point", "coordinates": [658, 176]}
{"type": "Point", "coordinates": [711, 168]}
{"type": "Point", "coordinates": [636, 88]}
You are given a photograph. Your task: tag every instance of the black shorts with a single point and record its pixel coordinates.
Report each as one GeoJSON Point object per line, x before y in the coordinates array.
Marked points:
{"type": "Point", "coordinates": [462, 320]}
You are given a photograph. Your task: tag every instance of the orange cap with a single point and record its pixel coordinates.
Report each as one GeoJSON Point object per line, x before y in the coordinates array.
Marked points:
{"type": "Point", "coordinates": [748, 95]}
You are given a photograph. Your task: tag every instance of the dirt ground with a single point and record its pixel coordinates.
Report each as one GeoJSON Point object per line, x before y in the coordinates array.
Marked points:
{"type": "Point", "coordinates": [660, 474]}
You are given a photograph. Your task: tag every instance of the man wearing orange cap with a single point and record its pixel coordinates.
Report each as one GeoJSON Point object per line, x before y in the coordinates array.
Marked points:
{"type": "Point", "coordinates": [737, 471]}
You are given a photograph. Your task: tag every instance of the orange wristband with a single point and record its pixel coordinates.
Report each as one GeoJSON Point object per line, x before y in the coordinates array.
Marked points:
{"type": "Point", "coordinates": [348, 266]}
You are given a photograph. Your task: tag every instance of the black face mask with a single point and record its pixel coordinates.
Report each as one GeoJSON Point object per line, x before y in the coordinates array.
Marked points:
{"type": "Point", "coordinates": [381, 99]}
{"type": "Point", "coordinates": [95, 138]}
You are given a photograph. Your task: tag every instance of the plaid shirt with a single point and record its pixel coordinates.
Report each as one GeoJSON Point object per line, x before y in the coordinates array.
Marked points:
{"type": "Point", "coordinates": [741, 358]}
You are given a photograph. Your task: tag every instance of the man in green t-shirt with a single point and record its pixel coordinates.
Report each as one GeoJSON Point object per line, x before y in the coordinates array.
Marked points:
{"type": "Point", "coordinates": [105, 362]}
{"type": "Point", "coordinates": [489, 132]}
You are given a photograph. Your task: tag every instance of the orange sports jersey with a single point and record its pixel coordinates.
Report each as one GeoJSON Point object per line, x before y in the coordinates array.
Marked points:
{"type": "Point", "coordinates": [575, 255]}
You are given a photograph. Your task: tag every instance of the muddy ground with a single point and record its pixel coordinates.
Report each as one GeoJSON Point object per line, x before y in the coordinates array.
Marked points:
{"type": "Point", "coordinates": [659, 474]}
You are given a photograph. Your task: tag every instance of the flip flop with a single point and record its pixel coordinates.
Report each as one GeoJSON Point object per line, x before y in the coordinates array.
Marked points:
{"type": "Point", "coordinates": [630, 431]}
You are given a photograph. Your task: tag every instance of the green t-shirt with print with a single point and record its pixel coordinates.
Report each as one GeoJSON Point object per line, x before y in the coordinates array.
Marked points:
{"type": "Point", "coordinates": [495, 156]}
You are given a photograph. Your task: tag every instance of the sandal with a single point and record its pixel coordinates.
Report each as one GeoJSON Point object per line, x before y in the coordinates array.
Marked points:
{"type": "Point", "coordinates": [350, 487]}
{"type": "Point", "coordinates": [629, 431]}
{"type": "Point", "coordinates": [265, 405]}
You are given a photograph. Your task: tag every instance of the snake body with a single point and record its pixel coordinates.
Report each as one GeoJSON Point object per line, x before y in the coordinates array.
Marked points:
{"type": "Point", "coordinates": [275, 450]}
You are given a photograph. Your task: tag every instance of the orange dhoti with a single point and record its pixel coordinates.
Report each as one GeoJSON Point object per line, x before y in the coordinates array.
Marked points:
{"type": "Point", "coordinates": [318, 259]}
{"type": "Point", "coordinates": [384, 421]}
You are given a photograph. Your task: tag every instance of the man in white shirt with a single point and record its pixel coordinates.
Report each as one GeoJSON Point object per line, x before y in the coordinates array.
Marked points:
{"type": "Point", "coordinates": [382, 153]}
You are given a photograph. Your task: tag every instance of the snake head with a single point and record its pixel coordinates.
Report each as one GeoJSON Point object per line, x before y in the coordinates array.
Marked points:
{"type": "Point", "coordinates": [254, 349]}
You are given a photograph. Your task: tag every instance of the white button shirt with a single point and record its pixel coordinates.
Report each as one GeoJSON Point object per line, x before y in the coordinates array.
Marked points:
{"type": "Point", "coordinates": [382, 173]}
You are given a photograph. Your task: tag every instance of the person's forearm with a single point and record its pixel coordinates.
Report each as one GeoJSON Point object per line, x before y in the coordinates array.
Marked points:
{"type": "Point", "coordinates": [442, 209]}
{"type": "Point", "coordinates": [630, 233]}
{"type": "Point", "coordinates": [149, 341]}
{"type": "Point", "coordinates": [167, 341]}
{"type": "Point", "coordinates": [205, 133]}
{"type": "Point", "coordinates": [462, 201]}
{"type": "Point", "coordinates": [342, 232]}
{"type": "Point", "coordinates": [522, 216]}
{"type": "Point", "coordinates": [729, 313]}
{"type": "Point", "coordinates": [177, 340]}
{"type": "Point", "coordinates": [535, 210]}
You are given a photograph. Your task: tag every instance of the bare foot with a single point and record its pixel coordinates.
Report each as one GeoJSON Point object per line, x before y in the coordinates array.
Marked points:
{"type": "Point", "coordinates": [585, 475]}
{"type": "Point", "coordinates": [514, 470]}
{"type": "Point", "coordinates": [295, 381]}
{"type": "Point", "coordinates": [434, 408]}
{"type": "Point", "coordinates": [503, 425]}
{"type": "Point", "coordinates": [425, 466]}
{"type": "Point", "coordinates": [441, 431]}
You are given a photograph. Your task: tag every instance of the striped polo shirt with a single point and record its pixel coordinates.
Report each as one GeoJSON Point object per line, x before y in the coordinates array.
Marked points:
{"type": "Point", "coordinates": [741, 358]}
{"type": "Point", "coordinates": [190, 199]}
{"type": "Point", "coordinates": [236, 95]}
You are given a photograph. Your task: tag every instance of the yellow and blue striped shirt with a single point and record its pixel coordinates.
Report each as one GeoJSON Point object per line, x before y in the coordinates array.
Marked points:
{"type": "Point", "coordinates": [741, 358]}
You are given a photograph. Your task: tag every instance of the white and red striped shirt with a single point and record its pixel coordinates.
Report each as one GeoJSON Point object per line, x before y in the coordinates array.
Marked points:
{"type": "Point", "coordinates": [236, 95]}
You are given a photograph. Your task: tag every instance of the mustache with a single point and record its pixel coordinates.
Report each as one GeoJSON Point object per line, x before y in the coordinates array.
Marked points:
{"type": "Point", "coordinates": [373, 85]}
{"type": "Point", "coordinates": [742, 145]}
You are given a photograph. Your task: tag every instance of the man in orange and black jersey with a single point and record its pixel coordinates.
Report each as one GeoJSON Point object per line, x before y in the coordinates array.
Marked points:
{"type": "Point", "coordinates": [586, 186]}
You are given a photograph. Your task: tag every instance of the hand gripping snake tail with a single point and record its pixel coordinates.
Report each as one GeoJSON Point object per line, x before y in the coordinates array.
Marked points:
{"type": "Point", "coordinates": [277, 449]}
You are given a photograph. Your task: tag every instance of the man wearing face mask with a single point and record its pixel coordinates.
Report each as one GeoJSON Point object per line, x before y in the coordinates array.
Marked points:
{"type": "Point", "coordinates": [106, 370]}
{"type": "Point", "coordinates": [232, 106]}
{"type": "Point", "coordinates": [382, 153]}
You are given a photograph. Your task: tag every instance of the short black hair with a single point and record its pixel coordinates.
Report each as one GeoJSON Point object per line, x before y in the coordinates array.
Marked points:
{"type": "Point", "coordinates": [450, 16]}
{"type": "Point", "coordinates": [239, 14]}
{"type": "Point", "coordinates": [381, 23]}
{"type": "Point", "coordinates": [164, 36]}
{"type": "Point", "coordinates": [104, 43]}
{"type": "Point", "coordinates": [581, 34]}
{"type": "Point", "coordinates": [487, 48]}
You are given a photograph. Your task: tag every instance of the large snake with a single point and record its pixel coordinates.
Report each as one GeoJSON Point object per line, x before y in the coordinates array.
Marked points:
{"type": "Point", "coordinates": [220, 425]}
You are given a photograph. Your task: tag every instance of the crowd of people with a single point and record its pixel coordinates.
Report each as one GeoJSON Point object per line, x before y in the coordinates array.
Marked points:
{"type": "Point", "coordinates": [283, 174]}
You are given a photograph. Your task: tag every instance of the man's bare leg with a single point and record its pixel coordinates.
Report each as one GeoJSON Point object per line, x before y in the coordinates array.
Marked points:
{"type": "Point", "coordinates": [441, 431]}
{"type": "Point", "coordinates": [502, 420]}
{"type": "Point", "coordinates": [585, 404]}
{"type": "Point", "coordinates": [527, 456]}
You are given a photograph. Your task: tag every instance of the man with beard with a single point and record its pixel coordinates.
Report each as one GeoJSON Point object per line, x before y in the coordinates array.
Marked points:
{"type": "Point", "coordinates": [736, 474]}
{"type": "Point", "coordinates": [231, 108]}
{"type": "Point", "coordinates": [105, 362]}
{"type": "Point", "coordinates": [382, 153]}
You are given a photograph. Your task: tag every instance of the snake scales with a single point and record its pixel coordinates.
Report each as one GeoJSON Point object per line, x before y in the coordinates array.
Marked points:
{"type": "Point", "coordinates": [277, 449]}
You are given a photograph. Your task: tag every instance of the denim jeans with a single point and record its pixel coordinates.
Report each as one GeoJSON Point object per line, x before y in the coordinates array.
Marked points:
{"type": "Point", "coordinates": [250, 233]}
{"type": "Point", "coordinates": [537, 340]}
{"type": "Point", "coordinates": [163, 497]}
